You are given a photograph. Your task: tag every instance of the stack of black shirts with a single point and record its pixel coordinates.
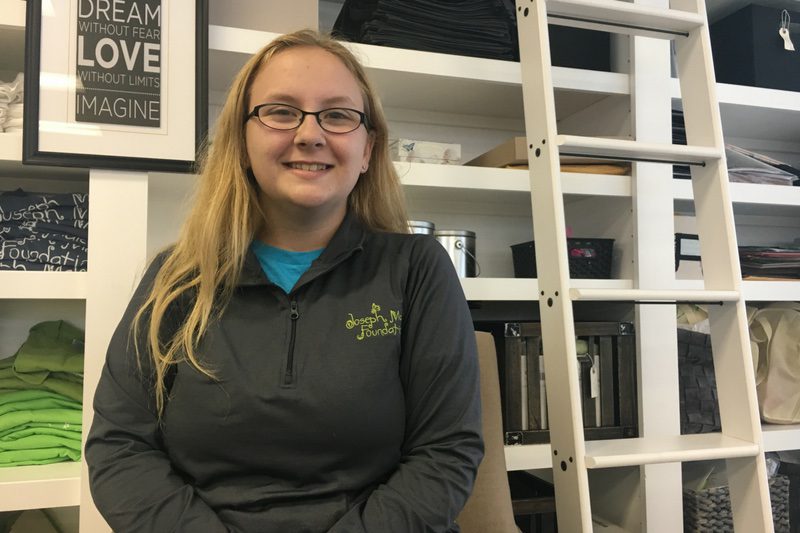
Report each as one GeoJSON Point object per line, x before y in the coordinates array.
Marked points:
{"type": "Point", "coordinates": [479, 28]}
{"type": "Point", "coordinates": [43, 231]}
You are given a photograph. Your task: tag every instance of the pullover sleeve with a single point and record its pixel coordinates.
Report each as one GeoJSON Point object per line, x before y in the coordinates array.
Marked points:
{"type": "Point", "coordinates": [131, 478]}
{"type": "Point", "coordinates": [443, 444]}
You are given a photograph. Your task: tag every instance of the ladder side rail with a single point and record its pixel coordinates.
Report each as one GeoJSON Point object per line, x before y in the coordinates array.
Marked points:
{"type": "Point", "coordinates": [563, 398]}
{"type": "Point", "coordinates": [719, 255]}
{"type": "Point", "coordinates": [714, 211]}
{"type": "Point", "coordinates": [739, 418]}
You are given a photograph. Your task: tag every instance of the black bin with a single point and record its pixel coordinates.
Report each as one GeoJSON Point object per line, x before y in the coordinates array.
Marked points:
{"type": "Point", "coordinates": [588, 258]}
{"type": "Point", "coordinates": [748, 50]}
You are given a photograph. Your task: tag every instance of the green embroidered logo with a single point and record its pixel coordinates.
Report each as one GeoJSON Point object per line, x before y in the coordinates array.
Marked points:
{"type": "Point", "coordinates": [375, 324]}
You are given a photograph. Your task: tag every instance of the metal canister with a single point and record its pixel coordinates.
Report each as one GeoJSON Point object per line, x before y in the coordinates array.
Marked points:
{"type": "Point", "coordinates": [460, 246]}
{"type": "Point", "coordinates": [422, 227]}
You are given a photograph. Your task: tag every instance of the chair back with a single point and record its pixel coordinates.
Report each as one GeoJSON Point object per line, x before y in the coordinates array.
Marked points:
{"type": "Point", "coordinates": [488, 509]}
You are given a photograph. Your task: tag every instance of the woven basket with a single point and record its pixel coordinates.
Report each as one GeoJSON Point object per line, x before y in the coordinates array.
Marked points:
{"type": "Point", "coordinates": [699, 406]}
{"type": "Point", "coordinates": [709, 511]}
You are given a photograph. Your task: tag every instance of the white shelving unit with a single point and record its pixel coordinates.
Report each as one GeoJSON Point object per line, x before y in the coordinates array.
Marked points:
{"type": "Point", "coordinates": [13, 15]}
{"type": "Point", "coordinates": [477, 102]}
{"type": "Point", "coordinates": [40, 487]}
{"type": "Point", "coordinates": [529, 457]}
{"type": "Point", "coordinates": [778, 437]}
{"type": "Point", "coordinates": [10, 146]}
{"type": "Point", "coordinates": [43, 285]}
{"type": "Point", "coordinates": [53, 485]}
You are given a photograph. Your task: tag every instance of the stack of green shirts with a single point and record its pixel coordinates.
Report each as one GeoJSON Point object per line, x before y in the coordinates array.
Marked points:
{"type": "Point", "coordinates": [41, 392]}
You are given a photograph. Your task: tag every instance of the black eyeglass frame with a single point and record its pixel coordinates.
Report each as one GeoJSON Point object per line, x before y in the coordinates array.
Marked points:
{"type": "Point", "coordinates": [362, 116]}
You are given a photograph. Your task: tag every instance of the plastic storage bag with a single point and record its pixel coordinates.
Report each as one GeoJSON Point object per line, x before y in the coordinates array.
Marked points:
{"type": "Point", "coordinates": [775, 342]}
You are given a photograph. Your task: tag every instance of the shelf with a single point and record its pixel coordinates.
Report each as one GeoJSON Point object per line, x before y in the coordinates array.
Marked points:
{"type": "Point", "coordinates": [445, 83]}
{"type": "Point", "coordinates": [641, 451]}
{"type": "Point", "coordinates": [11, 163]}
{"type": "Point", "coordinates": [12, 14]}
{"type": "Point", "coordinates": [762, 114]}
{"type": "Point", "coordinates": [775, 291]}
{"type": "Point", "coordinates": [495, 190]}
{"type": "Point", "coordinates": [528, 457]}
{"type": "Point", "coordinates": [600, 525]}
{"type": "Point", "coordinates": [779, 437]}
{"type": "Point", "coordinates": [526, 289]}
{"type": "Point", "coordinates": [12, 38]}
{"type": "Point", "coordinates": [41, 486]}
{"type": "Point", "coordinates": [756, 112]}
{"type": "Point", "coordinates": [747, 198]}
{"type": "Point", "coordinates": [410, 79]}
{"type": "Point", "coordinates": [32, 285]}
{"type": "Point", "coordinates": [454, 178]}
{"type": "Point", "coordinates": [11, 146]}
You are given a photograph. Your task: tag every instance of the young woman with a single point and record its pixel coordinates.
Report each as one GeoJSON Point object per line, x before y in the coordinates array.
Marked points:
{"type": "Point", "coordinates": [296, 362]}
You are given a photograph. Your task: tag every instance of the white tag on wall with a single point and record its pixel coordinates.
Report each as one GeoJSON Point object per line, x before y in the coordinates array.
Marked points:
{"type": "Point", "coordinates": [787, 39]}
{"type": "Point", "coordinates": [784, 31]}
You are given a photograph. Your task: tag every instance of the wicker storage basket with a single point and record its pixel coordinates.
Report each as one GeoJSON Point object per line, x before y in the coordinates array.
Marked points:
{"type": "Point", "coordinates": [709, 510]}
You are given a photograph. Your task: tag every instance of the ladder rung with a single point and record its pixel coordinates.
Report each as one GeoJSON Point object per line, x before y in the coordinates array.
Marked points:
{"type": "Point", "coordinates": [636, 151]}
{"type": "Point", "coordinates": [622, 17]}
{"type": "Point", "coordinates": [655, 296]}
{"type": "Point", "coordinates": [671, 449]}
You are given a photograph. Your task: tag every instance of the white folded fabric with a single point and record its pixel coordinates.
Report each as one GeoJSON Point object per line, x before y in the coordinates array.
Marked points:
{"type": "Point", "coordinates": [12, 91]}
{"type": "Point", "coordinates": [12, 123]}
{"type": "Point", "coordinates": [15, 110]}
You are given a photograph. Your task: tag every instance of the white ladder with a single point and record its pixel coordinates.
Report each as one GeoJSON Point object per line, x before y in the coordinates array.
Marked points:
{"type": "Point", "coordinates": [740, 441]}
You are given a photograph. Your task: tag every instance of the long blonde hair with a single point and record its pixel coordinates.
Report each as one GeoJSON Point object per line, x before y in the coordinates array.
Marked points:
{"type": "Point", "coordinates": [206, 261]}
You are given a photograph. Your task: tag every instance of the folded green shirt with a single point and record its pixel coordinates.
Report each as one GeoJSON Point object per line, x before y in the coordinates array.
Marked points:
{"type": "Point", "coordinates": [53, 346]}
{"type": "Point", "coordinates": [39, 456]}
{"type": "Point", "coordinates": [38, 427]}
{"type": "Point", "coordinates": [54, 416]}
{"type": "Point", "coordinates": [70, 389]}
{"type": "Point", "coordinates": [45, 427]}
{"type": "Point", "coordinates": [31, 399]}
{"type": "Point", "coordinates": [50, 359]}
{"type": "Point", "coordinates": [69, 432]}
{"type": "Point", "coordinates": [36, 442]}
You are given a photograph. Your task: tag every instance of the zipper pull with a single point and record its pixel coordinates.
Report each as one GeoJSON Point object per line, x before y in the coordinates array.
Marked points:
{"type": "Point", "coordinates": [294, 314]}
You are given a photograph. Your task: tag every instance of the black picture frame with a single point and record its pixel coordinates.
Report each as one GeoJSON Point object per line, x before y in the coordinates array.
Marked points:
{"type": "Point", "coordinates": [32, 151]}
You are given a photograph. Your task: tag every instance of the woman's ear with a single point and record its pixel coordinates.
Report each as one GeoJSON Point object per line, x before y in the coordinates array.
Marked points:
{"type": "Point", "coordinates": [368, 151]}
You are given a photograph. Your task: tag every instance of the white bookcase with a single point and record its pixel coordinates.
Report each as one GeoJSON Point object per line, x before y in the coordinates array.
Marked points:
{"type": "Point", "coordinates": [472, 101]}
{"type": "Point", "coordinates": [30, 297]}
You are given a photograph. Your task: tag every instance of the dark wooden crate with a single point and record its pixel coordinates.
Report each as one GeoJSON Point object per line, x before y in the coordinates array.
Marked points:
{"type": "Point", "coordinates": [524, 420]}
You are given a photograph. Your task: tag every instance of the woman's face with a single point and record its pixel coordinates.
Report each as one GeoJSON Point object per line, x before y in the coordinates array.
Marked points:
{"type": "Point", "coordinates": [306, 171]}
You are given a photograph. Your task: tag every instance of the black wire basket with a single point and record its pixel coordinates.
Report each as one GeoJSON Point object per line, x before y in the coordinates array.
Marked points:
{"type": "Point", "coordinates": [588, 258]}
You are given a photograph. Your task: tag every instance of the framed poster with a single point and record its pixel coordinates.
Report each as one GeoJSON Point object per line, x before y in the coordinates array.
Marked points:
{"type": "Point", "coordinates": [119, 84]}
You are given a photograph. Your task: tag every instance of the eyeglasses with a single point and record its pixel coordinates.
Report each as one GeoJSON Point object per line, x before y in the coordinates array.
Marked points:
{"type": "Point", "coordinates": [285, 117]}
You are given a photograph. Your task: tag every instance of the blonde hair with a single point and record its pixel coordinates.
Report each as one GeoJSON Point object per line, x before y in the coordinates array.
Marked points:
{"type": "Point", "coordinates": [206, 261]}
